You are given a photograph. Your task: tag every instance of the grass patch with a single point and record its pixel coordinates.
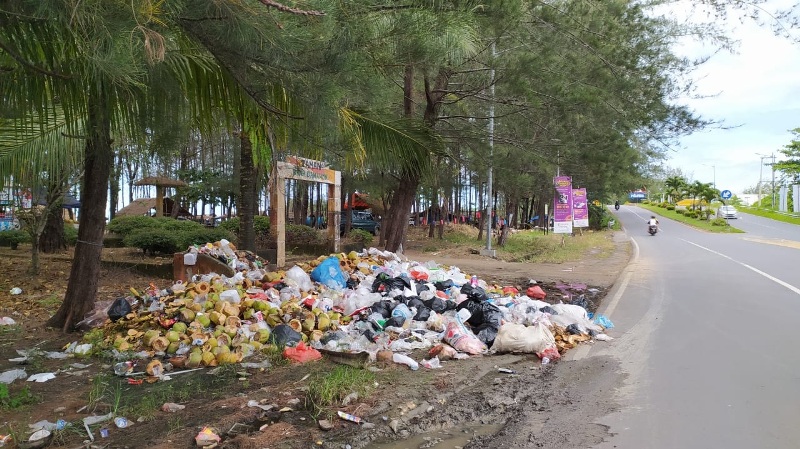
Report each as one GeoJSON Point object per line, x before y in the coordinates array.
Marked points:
{"type": "Point", "coordinates": [536, 247]}
{"type": "Point", "coordinates": [705, 225]}
{"type": "Point", "coordinates": [329, 387]}
{"type": "Point", "coordinates": [51, 302]}
{"type": "Point", "coordinates": [19, 399]}
{"type": "Point", "coordinates": [767, 213]}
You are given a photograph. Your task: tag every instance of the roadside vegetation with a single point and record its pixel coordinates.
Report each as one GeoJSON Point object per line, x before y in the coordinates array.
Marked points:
{"type": "Point", "coordinates": [698, 219]}
{"type": "Point", "coordinates": [771, 214]}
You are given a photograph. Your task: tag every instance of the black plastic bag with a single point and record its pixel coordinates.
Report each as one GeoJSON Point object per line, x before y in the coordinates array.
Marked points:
{"type": "Point", "coordinates": [443, 285]}
{"type": "Point", "coordinates": [384, 283]}
{"type": "Point", "coordinates": [395, 321]}
{"type": "Point", "coordinates": [574, 329]}
{"type": "Point", "coordinates": [485, 319]}
{"type": "Point", "coordinates": [283, 335]}
{"type": "Point", "coordinates": [352, 284]}
{"type": "Point", "coordinates": [423, 313]}
{"type": "Point", "coordinates": [413, 301]}
{"type": "Point", "coordinates": [422, 286]}
{"type": "Point", "coordinates": [439, 305]}
{"type": "Point", "coordinates": [332, 336]}
{"type": "Point", "coordinates": [474, 293]}
{"type": "Point", "coordinates": [119, 308]}
{"type": "Point", "coordinates": [581, 300]}
{"type": "Point", "coordinates": [492, 317]}
{"type": "Point", "coordinates": [383, 307]}
{"type": "Point", "coordinates": [548, 309]}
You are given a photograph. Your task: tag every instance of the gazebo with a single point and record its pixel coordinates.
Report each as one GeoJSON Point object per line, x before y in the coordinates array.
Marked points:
{"type": "Point", "coordinates": [161, 184]}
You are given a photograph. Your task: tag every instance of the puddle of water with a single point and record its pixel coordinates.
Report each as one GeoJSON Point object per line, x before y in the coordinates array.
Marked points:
{"type": "Point", "coordinates": [454, 438]}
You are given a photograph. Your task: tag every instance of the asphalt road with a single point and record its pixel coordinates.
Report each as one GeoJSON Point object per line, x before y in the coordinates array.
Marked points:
{"type": "Point", "coordinates": [706, 328]}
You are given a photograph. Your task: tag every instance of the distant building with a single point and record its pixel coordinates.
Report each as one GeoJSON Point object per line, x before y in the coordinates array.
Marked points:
{"type": "Point", "coordinates": [748, 199]}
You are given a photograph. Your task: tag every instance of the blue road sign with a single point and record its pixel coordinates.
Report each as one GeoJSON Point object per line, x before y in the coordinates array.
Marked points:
{"type": "Point", "coordinates": [726, 194]}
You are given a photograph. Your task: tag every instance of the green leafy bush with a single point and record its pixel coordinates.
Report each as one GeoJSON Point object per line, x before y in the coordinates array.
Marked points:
{"type": "Point", "coordinates": [719, 222]}
{"type": "Point", "coordinates": [154, 241]}
{"type": "Point", "coordinates": [260, 224]}
{"type": "Point", "coordinates": [172, 224]}
{"type": "Point", "coordinates": [127, 224]}
{"type": "Point", "coordinates": [680, 211]}
{"type": "Point", "coordinates": [13, 237]}
{"type": "Point", "coordinates": [670, 207]}
{"type": "Point", "coordinates": [665, 205]}
{"type": "Point", "coordinates": [693, 214]}
{"type": "Point", "coordinates": [302, 235]}
{"type": "Point", "coordinates": [598, 217]}
{"type": "Point", "coordinates": [71, 234]}
{"type": "Point", "coordinates": [360, 236]}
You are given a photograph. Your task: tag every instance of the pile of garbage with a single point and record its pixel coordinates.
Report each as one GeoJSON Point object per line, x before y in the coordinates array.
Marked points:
{"type": "Point", "coordinates": [370, 302]}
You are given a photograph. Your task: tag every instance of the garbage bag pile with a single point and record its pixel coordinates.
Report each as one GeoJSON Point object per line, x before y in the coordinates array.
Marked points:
{"type": "Point", "coordinates": [356, 302]}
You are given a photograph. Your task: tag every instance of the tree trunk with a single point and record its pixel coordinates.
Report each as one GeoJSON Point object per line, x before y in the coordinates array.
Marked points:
{"type": "Point", "coordinates": [53, 239]}
{"type": "Point", "coordinates": [397, 215]}
{"type": "Point", "coordinates": [85, 274]}
{"type": "Point", "coordinates": [247, 195]}
{"type": "Point", "coordinates": [114, 186]}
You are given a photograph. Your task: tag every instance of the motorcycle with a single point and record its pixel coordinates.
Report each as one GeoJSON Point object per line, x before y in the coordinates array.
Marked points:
{"type": "Point", "coordinates": [616, 205]}
{"type": "Point", "coordinates": [652, 229]}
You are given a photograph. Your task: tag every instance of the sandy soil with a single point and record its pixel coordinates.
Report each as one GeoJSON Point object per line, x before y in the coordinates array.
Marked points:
{"type": "Point", "coordinates": [442, 408]}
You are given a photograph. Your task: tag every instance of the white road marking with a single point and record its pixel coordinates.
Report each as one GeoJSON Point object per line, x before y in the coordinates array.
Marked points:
{"type": "Point", "coordinates": [766, 275]}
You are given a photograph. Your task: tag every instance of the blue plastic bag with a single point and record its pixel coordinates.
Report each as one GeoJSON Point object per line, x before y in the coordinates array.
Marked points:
{"type": "Point", "coordinates": [604, 321]}
{"type": "Point", "coordinates": [329, 273]}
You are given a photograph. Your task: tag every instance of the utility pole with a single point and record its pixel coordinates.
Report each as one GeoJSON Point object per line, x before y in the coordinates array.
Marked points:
{"type": "Point", "coordinates": [772, 165]}
{"type": "Point", "coordinates": [489, 251]}
{"type": "Point", "coordinates": [760, 176]}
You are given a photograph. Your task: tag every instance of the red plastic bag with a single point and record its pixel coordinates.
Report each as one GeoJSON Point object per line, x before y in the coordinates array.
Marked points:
{"type": "Point", "coordinates": [535, 292]}
{"type": "Point", "coordinates": [510, 290]}
{"type": "Point", "coordinates": [301, 353]}
{"type": "Point", "coordinates": [419, 274]}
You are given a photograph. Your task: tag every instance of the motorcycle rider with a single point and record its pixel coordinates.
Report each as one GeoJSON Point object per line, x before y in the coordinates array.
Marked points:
{"type": "Point", "coordinates": [652, 222]}
{"type": "Point", "coordinates": [616, 205]}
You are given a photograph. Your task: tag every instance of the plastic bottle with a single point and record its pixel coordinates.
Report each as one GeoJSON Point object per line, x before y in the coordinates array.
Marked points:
{"type": "Point", "coordinates": [473, 281]}
{"type": "Point", "coordinates": [226, 248]}
{"type": "Point", "coordinates": [123, 368]}
{"type": "Point", "coordinates": [405, 360]}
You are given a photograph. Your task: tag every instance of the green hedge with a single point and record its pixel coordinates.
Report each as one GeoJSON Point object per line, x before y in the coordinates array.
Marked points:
{"type": "Point", "coordinates": [153, 240]}
{"type": "Point", "coordinates": [71, 234]}
{"type": "Point", "coordinates": [260, 224]}
{"type": "Point", "coordinates": [360, 236]}
{"type": "Point", "coordinates": [128, 224]}
{"type": "Point", "coordinates": [13, 237]}
{"type": "Point", "coordinates": [303, 235]}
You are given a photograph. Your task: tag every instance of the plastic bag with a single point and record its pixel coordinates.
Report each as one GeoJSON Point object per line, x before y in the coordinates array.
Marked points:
{"type": "Point", "coordinates": [526, 339]}
{"type": "Point", "coordinates": [433, 363]}
{"type": "Point", "coordinates": [443, 285]}
{"type": "Point", "coordinates": [439, 305]}
{"type": "Point", "coordinates": [405, 360]}
{"type": "Point", "coordinates": [329, 273]}
{"type": "Point", "coordinates": [583, 302]}
{"type": "Point", "coordinates": [283, 335]}
{"type": "Point", "coordinates": [462, 339]}
{"type": "Point", "coordinates": [477, 294]}
{"type": "Point", "coordinates": [300, 277]}
{"type": "Point", "coordinates": [119, 308]}
{"type": "Point", "coordinates": [603, 321]}
{"type": "Point", "coordinates": [384, 308]}
{"type": "Point", "coordinates": [302, 353]}
{"type": "Point", "coordinates": [419, 273]}
{"type": "Point", "coordinates": [485, 318]}
{"type": "Point", "coordinates": [535, 292]}
{"type": "Point", "coordinates": [385, 283]}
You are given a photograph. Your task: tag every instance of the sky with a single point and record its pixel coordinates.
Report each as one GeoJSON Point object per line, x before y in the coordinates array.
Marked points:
{"type": "Point", "coordinates": [756, 91]}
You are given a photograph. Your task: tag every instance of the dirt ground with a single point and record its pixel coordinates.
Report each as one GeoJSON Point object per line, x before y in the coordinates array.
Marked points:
{"type": "Point", "coordinates": [439, 408]}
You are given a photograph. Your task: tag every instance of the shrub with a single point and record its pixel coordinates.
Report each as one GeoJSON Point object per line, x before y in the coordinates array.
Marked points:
{"type": "Point", "coordinates": [670, 207]}
{"type": "Point", "coordinates": [260, 224]}
{"type": "Point", "coordinates": [71, 234]}
{"type": "Point", "coordinates": [680, 211]}
{"type": "Point", "coordinates": [13, 237]}
{"type": "Point", "coordinates": [665, 205]}
{"type": "Point", "coordinates": [360, 236]}
{"type": "Point", "coordinates": [598, 217]}
{"type": "Point", "coordinates": [127, 224]}
{"type": "Point", "coordinates": [719, 222]}
{"type": "Point", "coordinates": [302, 235]}
{"type": "Point", "coordinates": [154, 241]}
{"type": "Point", "coordinates": [171, 224]}
{"type": "Point", "coordinates": [693, 214]}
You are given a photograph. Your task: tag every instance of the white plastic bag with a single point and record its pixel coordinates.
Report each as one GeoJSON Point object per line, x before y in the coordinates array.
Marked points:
{"type": "Point", "coordinates": [514, 337]}
{"type": "Point", "coordinates": [462, 339]}
{"type": "Point", "coordinates": [300, 277]}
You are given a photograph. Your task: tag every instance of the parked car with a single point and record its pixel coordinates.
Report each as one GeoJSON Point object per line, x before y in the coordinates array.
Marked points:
{"type": "Point", "coordinates": [361, 220]}
{"type": "Point", "coordinates": [727, 212]}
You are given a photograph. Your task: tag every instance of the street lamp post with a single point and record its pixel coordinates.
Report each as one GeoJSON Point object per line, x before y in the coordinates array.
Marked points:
{"type": "Point", "coordinates": [714, 169]}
